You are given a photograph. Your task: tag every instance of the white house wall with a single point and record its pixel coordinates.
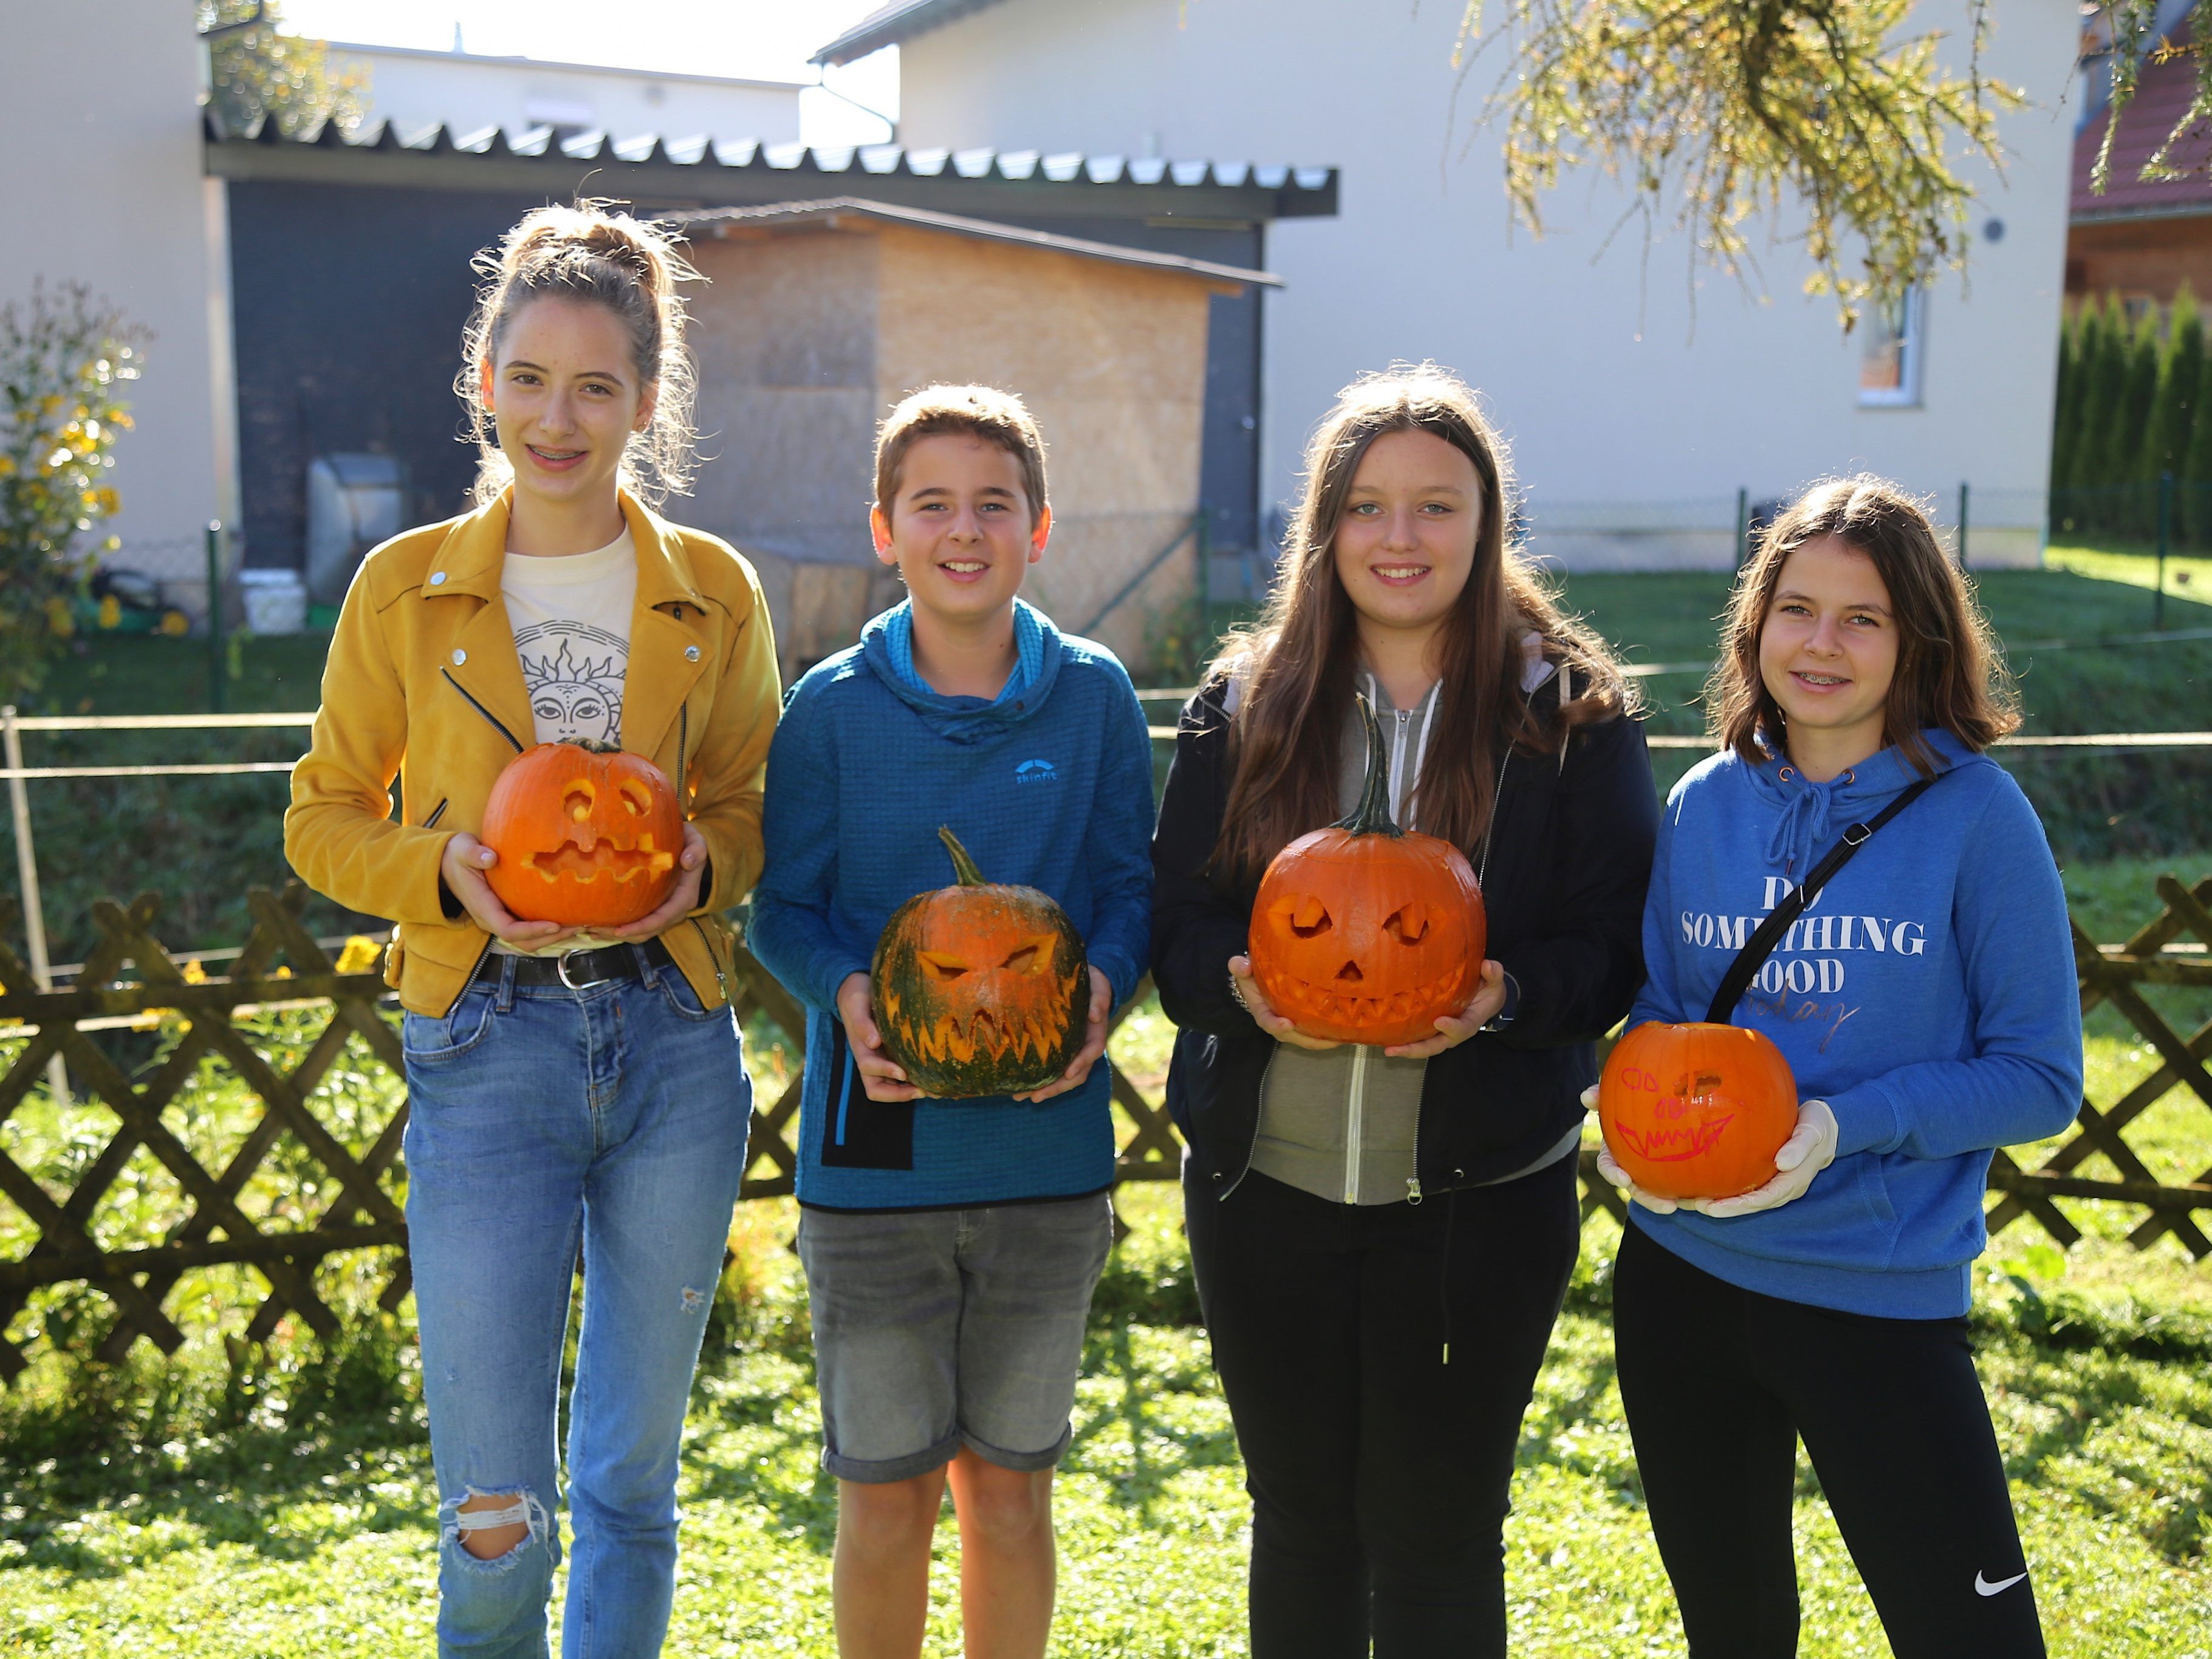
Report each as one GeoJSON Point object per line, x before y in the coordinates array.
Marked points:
{"type": "Point", "coordinates": [1636, 406]}
{"type": "Point", "coordinates": [422, 88]}
{"type": "Point", "coordinates": [99, 113]}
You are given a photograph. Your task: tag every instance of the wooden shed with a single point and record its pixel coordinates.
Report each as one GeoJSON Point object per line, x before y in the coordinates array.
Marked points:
{"type": "Point", "coordinates": [816, 317]}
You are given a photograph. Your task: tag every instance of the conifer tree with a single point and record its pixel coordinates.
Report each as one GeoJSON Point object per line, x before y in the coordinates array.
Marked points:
{"type": "Point", "coordinates": [2066, 406]}
{"type": "Point", "coordinates": [2196, 465]}
{"type": "Point", "coordinates": [2103, 375]}
{"type": "Point", "coordinates": [2173, 407]}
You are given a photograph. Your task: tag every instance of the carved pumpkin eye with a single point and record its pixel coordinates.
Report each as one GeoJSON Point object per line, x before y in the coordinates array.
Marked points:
{"type": "Point", "coordinates": [1408, 924]}
{"type": "Point", "coordinates": [578, 799]}
{"type": "Point", "coordinates": [1304, 915]}
{"type": "Point", "coordinates": [942, 966]}
{"type": "Point", "coordinates": [636, 796]}
{"type": "Point", "coordinates": [1031, 956]}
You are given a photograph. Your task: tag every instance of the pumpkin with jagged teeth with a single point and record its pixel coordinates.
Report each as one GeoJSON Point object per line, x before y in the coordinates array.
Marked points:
{"type": "Point", "coordinates": [1365, 932]}
{"type": "Point", "coordinates": [979, 988]}
{"type": "Point", "coordinates": [587, 835]}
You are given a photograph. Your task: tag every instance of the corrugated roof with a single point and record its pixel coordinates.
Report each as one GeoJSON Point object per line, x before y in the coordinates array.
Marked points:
{"type": "Point", "coordinates": [828, 211]}
{"type": "Point", "coordinates": [887, 26]}
{"type": "Point", "coordinates": [2162, 98]}
{"type": "Point", "coordinates": [1299, 190]}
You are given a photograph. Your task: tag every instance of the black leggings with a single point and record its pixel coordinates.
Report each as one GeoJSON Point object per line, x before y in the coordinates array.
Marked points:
{"type": "Point", "coordinates": [1719, 1382]}
{"type": "Point", "coordinates": [1378, 1473]}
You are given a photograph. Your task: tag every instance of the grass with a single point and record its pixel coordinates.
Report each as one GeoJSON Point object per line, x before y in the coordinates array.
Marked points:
{"type": "Point", "coordinates": [242, 1502]}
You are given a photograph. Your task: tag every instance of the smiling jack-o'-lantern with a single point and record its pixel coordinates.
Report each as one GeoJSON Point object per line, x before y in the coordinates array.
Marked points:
{"type": "Point", "coordinates": [979, 988]}
{"type": "Point", "coordinates": [1696, 1110]}
{"type": "Point", "coordinates": [587, 834]}
{"type": "Point", "coordinates": [1365, 933]}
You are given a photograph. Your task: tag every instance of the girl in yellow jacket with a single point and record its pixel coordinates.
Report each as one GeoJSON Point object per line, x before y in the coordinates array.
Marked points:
{"type": "Point", "coordinates": [565, 1089]}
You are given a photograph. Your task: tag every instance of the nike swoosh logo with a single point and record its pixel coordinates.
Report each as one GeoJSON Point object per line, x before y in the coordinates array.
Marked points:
{"type": "Point", "coordinates": [1983, 1586]}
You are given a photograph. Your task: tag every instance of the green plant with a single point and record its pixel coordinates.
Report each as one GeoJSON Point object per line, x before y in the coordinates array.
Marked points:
{"type": "Point", "coordinates": [257, 70]}
{"type": "Point", "coordinates": [64, 359]}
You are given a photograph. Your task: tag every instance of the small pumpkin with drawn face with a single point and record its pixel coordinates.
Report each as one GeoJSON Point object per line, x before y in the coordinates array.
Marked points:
{"type": "Point", "coordinates": [587, 835]}
{"type": "Point", "coordinates": [1365, 933]}
{"type": "Point", "coordinates": [1698, 1110]}
{"type": "Point", "coordinates": [979, 988]}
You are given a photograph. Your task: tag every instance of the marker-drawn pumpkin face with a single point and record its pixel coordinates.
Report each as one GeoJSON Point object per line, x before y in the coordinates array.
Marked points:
{"type": "Point", "coordinates": [979, 988]}
{"type": "Point", "coordinates": [1696, 1110]}
{"type": "Point", "coordinates": [1364, 933]}
{"type": "Point", "coordinates": [585, 836]}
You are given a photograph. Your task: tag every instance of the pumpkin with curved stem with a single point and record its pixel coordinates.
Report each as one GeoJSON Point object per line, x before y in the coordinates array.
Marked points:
{"type": "Point", "coordinates": [979, 988]}
{"type": "Point", "coordinates": [587, 835]}
{"type": "Point", "coordinates": [1696, 1110]}
{"type": "Point", "coordinates": [1365, 933]}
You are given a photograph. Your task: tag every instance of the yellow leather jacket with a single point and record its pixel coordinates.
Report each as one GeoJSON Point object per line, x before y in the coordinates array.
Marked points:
{"type": "Point", "coordinates": [423, 685]}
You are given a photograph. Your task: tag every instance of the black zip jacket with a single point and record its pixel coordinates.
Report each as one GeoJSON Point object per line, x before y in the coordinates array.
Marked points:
{"type": "Point", "coordinates": [1571, 841]}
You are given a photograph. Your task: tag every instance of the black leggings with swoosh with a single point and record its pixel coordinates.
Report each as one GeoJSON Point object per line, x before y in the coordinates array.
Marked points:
{"type": "Point", "coordinates": [1719, 1383]}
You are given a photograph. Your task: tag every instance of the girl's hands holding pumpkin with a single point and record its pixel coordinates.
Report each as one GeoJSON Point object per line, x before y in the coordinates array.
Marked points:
{"type": "Point", "coordinates": [1620, 1177]}
{"type": "Point", "coordinates": [1810, 1149]}
{"type": "Point", "coordinates": [460, 871]}
{"type": "Point", "coordinates": [683, 898]}
{"type": "Point", "coordinates": [1094, 1044]}
{"type": "Point", "coordinates": [1452, 1030]}
{"type": "Point", "coordinates": [879, 1075]}
{"type": "Point", "coordinates": [1255, 1004]}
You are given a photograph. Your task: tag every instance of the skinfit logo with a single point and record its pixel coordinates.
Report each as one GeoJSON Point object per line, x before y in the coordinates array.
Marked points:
{"type": "Point", "coordinates": [1036, 771]}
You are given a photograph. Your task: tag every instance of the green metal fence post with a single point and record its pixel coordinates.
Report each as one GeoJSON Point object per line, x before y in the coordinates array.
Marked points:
{"type": "Point", "coordinates": [1742, 526]}
{"type": "Point", "coordinates": [216, 664]}
{"type": "Point", "coordinates": [2165, 524]}
{"type": "Point", "coordinates": [1962, 524]}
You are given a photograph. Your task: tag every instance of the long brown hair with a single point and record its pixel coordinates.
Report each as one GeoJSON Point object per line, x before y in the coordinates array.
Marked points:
{"type": "Point", "coordinates": [1949, 672]}
{"type": "Point", "coordinates": [1295, 667]}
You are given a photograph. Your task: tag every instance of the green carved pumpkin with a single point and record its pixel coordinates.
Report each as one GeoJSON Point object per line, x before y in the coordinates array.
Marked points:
{"type": "Point", "coordinates": [979, 988]}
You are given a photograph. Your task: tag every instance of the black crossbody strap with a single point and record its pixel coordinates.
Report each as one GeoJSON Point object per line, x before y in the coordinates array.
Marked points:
{"type": "Point", "coordinates": [1760, 945]}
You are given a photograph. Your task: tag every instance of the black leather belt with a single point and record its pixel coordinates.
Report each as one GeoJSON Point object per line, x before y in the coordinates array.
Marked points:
{"type": "Point", "coordinates": [578, 970]}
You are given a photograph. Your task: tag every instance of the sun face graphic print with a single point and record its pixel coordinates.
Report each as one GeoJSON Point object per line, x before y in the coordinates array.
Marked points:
{"type": "Point", "coordinates": [575, 673]}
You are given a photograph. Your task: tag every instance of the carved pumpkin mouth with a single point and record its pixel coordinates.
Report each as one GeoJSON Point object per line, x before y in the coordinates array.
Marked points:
{"type": "Point", "coordinates": [987, 1033]}
{"type": "Point", "coordinates": [624, 858]}
{"type": "Point", "coordinates": [1336, 1003]}
{"type": "Point", "coordinates": [1675, 1143]}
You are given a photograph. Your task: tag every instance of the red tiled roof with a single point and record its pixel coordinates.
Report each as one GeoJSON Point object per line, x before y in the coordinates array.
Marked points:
{"type": "Point", "coordinates": [2162, 98]}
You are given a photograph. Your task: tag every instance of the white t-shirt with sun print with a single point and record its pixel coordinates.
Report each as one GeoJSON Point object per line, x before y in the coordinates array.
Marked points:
{"type": "Point", "coordinates": [571, 621]}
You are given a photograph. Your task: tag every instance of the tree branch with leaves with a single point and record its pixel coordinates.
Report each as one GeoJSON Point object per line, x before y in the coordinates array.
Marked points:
{"type": "Point", "coordinates": [1716, 114]}
{"type": "Point", "coordinates": [259, 72]}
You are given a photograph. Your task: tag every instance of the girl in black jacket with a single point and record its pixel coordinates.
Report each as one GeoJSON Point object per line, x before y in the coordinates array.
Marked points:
{"type": "Point", "coordinates": [1382, 1236]}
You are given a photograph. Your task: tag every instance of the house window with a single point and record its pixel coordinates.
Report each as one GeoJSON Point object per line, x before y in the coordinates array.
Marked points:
{"type": "Point", "coordinates": [1889, 358]}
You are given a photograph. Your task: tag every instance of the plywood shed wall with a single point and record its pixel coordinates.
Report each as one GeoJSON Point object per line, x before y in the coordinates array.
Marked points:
{"type": "Point", "coordinates": [807, 335]}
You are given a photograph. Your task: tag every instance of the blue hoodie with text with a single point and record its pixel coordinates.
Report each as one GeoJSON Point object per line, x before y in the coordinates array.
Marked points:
{"type": "Point", "coordinates": [1050, 786]}
{"type": "Point", "coordinates": [1927, 994]}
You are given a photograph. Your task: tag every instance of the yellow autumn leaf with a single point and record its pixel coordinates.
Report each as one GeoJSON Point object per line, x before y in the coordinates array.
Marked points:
{"type": "Point", "coordinates": [360, 954]}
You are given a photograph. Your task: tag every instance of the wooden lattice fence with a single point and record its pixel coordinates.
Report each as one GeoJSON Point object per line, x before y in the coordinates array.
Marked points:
{"type": "Point", "coordinates": [129, 976]}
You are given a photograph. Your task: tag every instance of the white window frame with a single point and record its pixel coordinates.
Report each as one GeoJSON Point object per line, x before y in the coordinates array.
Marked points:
{"type": "Point", "coordinates": [1913, 347]}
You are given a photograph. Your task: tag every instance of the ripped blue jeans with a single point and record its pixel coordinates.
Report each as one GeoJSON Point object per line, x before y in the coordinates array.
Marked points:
{"type": "Point", "coordinates": [542, 1120]}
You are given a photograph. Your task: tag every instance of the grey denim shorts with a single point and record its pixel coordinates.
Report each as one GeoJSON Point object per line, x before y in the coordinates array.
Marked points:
{"type": "Point", "coordinates": [934, 1328]}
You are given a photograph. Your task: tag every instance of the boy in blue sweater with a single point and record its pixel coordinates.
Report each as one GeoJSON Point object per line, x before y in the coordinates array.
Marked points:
{"type": "Point", "coordinates": [951, 1247]}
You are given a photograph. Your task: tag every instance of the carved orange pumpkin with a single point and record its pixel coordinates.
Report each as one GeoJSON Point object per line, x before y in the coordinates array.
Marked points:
{"type": "Point", "coordinates": [979, 988]}
{"type": "Point", "coordinates": [587, 835]}
{"type": "Point", "coordinates": [1363, 933]}
{"type": "Point", "coordinates": [1696, 1110]}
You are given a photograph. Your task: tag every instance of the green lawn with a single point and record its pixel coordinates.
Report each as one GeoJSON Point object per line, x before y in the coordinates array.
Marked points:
{"type": "Point", "coordinates": [239, 1501]}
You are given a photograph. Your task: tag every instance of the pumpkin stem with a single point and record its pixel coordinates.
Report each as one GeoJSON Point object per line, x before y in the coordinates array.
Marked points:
{"type": "Point", "coordinates": [965, 873]}
{"type": "Point", "coordinates": [1372, 815]}
{"type": "Point", "coordinates": [594, 746]}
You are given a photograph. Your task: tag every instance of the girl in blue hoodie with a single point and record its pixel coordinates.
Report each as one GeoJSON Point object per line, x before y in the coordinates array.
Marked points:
{"type": "Point", "coordinates": [1926, 1002]}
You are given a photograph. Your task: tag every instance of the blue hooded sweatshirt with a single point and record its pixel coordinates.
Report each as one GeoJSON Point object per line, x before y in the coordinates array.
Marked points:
{"type": "Point", "coordinates": [1048, 787]}
{"type": "Point", "coordinates": [1927, 995]}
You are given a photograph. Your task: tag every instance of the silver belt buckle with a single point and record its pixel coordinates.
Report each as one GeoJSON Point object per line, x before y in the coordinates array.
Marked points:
{"type": "Point", "coordinates": [561, 967]}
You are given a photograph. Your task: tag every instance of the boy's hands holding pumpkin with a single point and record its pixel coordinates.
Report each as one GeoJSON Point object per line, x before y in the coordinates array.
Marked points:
{"type": "Point", "coordinates": [1094, 1044]}
{"type": "Point", "coordinates": [879, 1075]}
{"type": "Point", "coordinates": [460, 872]}
{"type": "Point", "coordinates": [683, 898]}
{"type": "Point", "coordinates": [1452, 1030]}
{"type": "Point", "coordinates": [1254, 1002]}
